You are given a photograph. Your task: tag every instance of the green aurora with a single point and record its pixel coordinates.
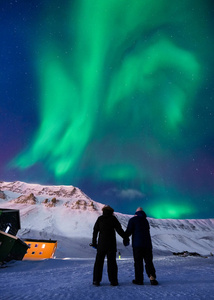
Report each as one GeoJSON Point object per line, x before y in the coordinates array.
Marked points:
{"type": "Point", "coordinates": [118, 82]}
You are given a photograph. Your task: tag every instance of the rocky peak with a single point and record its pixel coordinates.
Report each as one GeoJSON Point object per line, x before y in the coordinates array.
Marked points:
{"type": "Point", "coordinates": [50, 203]}
{"type": "Point", "coordinates": [82, 204]}
{"type": "Point", "coordinates": [2, 195]}
{"type": "Point", "coordinates": [26, 199]}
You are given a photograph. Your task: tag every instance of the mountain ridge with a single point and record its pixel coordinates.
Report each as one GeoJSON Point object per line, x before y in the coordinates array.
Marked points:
{"type": "Point", "coordinates": [67, 213]}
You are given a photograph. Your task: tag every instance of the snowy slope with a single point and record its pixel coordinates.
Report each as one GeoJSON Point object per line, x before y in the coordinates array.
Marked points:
{"type": "Point", "coordinates": [65, 213]}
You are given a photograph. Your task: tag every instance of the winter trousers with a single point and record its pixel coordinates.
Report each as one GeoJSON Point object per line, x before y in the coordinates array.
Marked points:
{"type": "Point", "coordinates": [111, 266]}
{"type": "Point", "coordinates": [141, 254]}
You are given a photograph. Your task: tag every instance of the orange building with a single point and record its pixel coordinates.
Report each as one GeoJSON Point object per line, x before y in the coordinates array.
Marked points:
{"type": "Point", "coordinates": [40, 249]}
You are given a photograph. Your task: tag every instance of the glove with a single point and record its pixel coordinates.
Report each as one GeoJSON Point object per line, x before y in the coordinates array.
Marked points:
{"type": "Point", "coordinates": [93, 245]}
{"type": "Point", "coordinates": [126, 241]}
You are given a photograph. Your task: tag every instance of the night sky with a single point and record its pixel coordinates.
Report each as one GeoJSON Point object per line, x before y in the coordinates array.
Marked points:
{"type": "Point", "coordinates": [114, 97]}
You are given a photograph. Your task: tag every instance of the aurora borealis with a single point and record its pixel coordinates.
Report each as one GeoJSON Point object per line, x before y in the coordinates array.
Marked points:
{"type": "Point", "coordinates": [115, 97]}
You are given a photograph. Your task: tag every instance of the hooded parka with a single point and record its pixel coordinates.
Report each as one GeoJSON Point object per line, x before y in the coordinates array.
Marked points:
{"type": "Point", "coordinates": [105, 227]}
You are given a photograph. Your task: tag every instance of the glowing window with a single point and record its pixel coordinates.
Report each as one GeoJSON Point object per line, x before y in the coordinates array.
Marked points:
{"type": "Point", "coordinates": [43, 246]}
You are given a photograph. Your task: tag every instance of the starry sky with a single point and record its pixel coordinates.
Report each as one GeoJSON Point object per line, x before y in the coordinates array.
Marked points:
{"type": "Point", "coordinates": [114, 97]}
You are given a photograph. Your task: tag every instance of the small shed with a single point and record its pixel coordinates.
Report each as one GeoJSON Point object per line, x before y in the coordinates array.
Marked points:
{"type": "Point", "coordinates": [11, 247]}
{"type": "Point", "coordinates": [40, 249]}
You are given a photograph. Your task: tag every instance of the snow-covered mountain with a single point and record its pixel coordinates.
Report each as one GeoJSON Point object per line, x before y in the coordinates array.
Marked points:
{"type": "Point", "coordinates": [67, 214]}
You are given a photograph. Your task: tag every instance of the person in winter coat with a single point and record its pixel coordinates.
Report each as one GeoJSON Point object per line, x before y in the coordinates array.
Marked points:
{"type": "Point", "coordinates": [105, 226]}
{"type": "Point", "coordinates": [138, 227]}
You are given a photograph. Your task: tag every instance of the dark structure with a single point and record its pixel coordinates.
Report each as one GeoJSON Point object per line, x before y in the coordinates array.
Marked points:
{"type": "Point", "coordinates": [9, 221]}
{"type": "Point", "coordinates": [11, 247]}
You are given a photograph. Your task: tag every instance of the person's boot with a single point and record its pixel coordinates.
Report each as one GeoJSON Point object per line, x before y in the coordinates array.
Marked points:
{"type": "Point", "coordinates": [153, 281]}
{"type": "Point", "coordinates": [137, 282]}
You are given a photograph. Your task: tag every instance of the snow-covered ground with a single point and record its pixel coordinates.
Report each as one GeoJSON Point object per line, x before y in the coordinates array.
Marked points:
{"type": "Point", "coordinates": [183, 278]}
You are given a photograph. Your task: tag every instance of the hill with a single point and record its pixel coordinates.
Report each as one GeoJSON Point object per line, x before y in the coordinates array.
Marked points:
{"type": "Point", "coordinates": [67, 214]}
